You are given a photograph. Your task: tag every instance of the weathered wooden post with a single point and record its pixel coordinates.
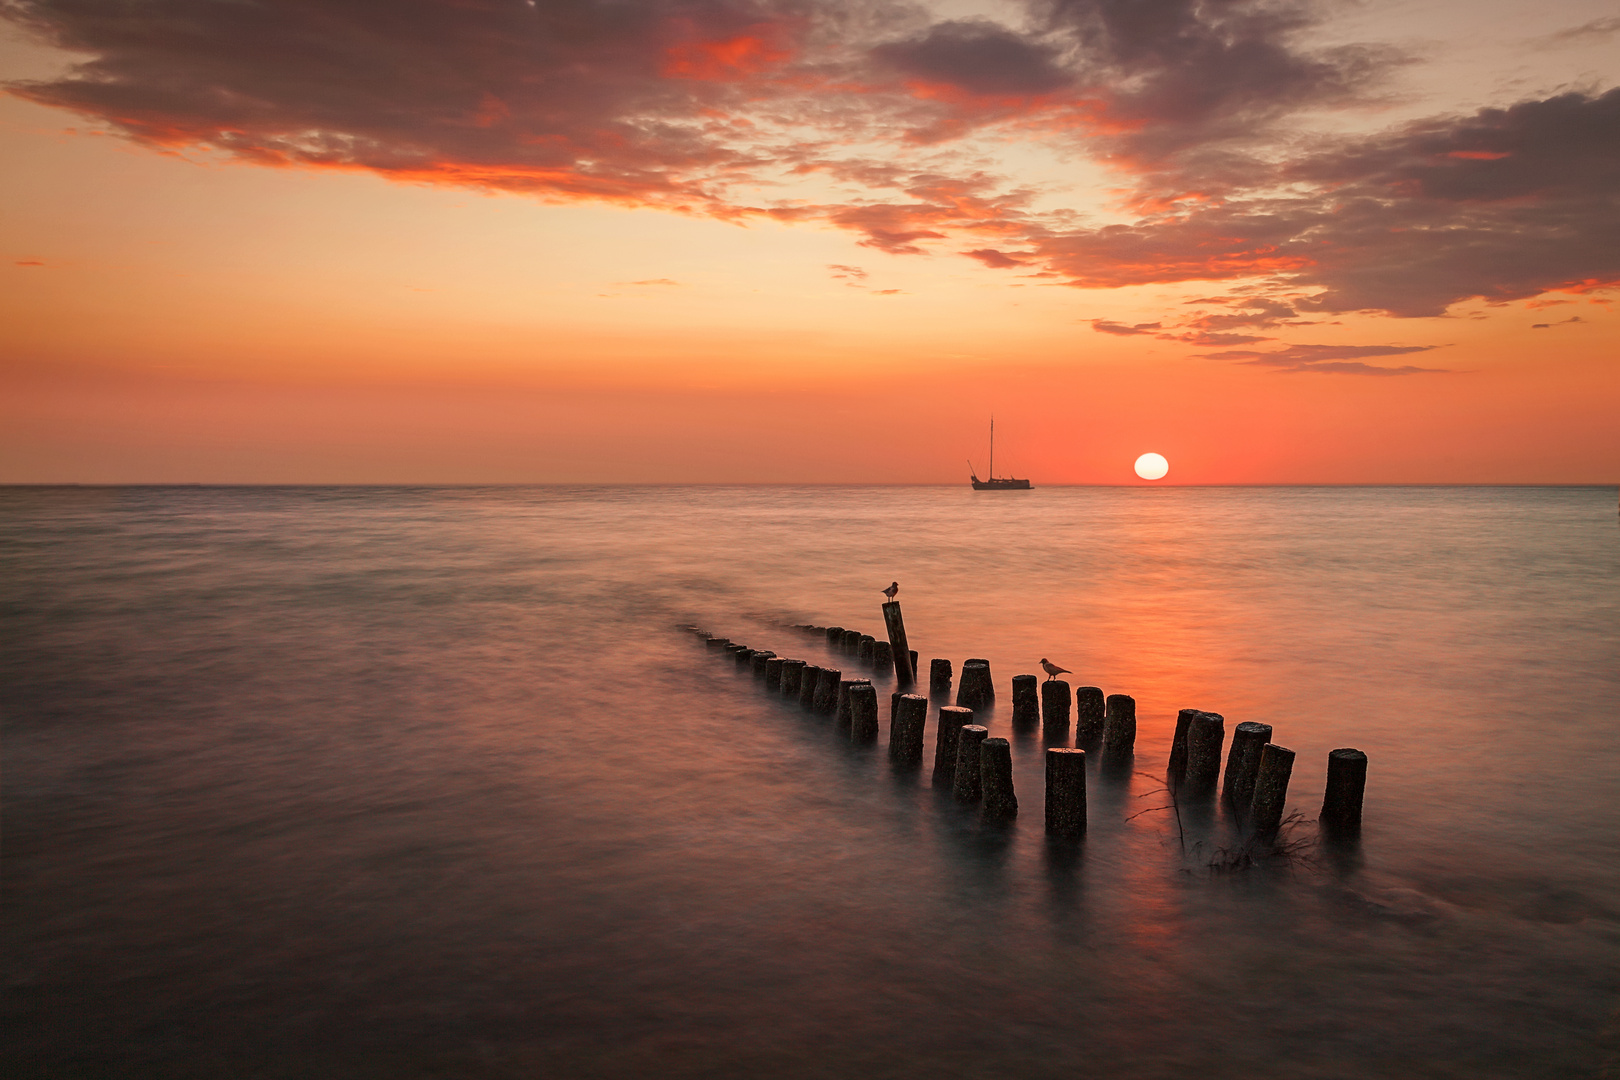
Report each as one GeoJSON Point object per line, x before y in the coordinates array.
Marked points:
{"type": "Point", "coordinates": [976, 690]}
{"type": "Point", "coordinates": [952, 719]}
{"type": "Point", "coordinates": [835, 636]}
{"type": "Point", "coordinates": [852, 643]}
{"type": "Point", "coordinates": [1119, 727]}
{"type": "Point", "coordinates": [1054, 706]}
{"type": "Point", "coordinates": [1090, 713]}
{"type": "Point", "coordinates": [905, 663]}
{"type": "Point", "coordinates": [863, 712]}
{"type": "Point", "coordinates": [827, 689]}
{"type": "Point", "coordinates": [863, 647]}
{"type": "Point", "coordinates": [939, 677]}
{"type": "Point", "coordinates": [744, 656]}
{"type": "Point", "coordinates": [807, 686]}
{"type": "Point", "coordinates": [882, 655]}
{"type": "Point", "coordinates": [718, 642]}
{"type": "Point", "coordinates": [1346, 785]}
{"type": "Point", "coordinates": [1205, 734]}
{"type": "Point", "coordinates": [906, 729]}
{"type": "Point", "coordinates": [1243, 764]}
{"type": "Point", "coordinates": [844, 716]}
{"type": "Point", "coordinates": [996, 779]}
{"type": "Point", "coordinates": [761, 658]}
{"type": "Point", "coordinates": [1065, 792]}
{"type": "Point", "coordinates": [1178, 747]}
{"type": "Point", "coordinates": [1271, 788]}
{"type": "Point", "coordinates": [1026, 705]}
{"type": "Point", "coordinates": [791, 677]}
{"type": "Point", "coordinates": [773, 673]}
{"type": "Point", "coordinates": [967, 782]}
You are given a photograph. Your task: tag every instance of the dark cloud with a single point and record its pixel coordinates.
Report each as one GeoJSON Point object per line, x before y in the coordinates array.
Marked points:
{"type": "Point", "coordinates": [978, 57]}
{"type": "Point", "coordinates": [1585, 34]}
{"type": "Point", "coordinates": [1106, 326]}
{"type": "Point", "coordinates": [996, 260]}
{"type": "Point", "coordinates": [1560, 322]}
{"type": "Point", "coordinates": [1329, 359]}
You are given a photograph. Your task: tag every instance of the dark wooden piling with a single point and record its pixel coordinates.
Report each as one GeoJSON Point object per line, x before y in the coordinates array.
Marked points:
{"type": "Point", "coordinates": [1243, 764]}
{"type": "Point", "coordinates": [1346, 786]}
{"type": "Point", "coordinates": [808, 683]}
{"type": "Point", "coordinates": [863, 647]}
{"type": "Point", "coordinates": [761, 658]}
{"type": "Point", "coordinates": [952, 719]}
{"type": "Point", "coordinates": [1026, 701]}
{"type": "Point", "coordinates": [1271, 788]}
{"type": "Point", "coordinates": [851, 643]}
{"type": "Point", "coordinates": [718, 642]}
{"type": "Point", "coordinates": [773, 672]}
{"type": "Point", "coordinates": [835, 636]}
{"type": "Point", "coordinates": [843, 716]}
{"type": "Point", "coordinates": [1090, 713]}
{"type": "Point", "coordinates": [863, 712]}
{"type": "Point", "coordinates": [792, 677]}
{"type": "Point", "coordinates": [996, 779]}
{"type": "Point", "coordinates": [900, 654]}
{"type": "Point", "coordinates": [1054, 706]}
{"type": "Point", "coordinates": [882, 656]}
{"type": "Point", "coordinates": [967, 782]}
{"type": "Point", "coordinates": [1065, 792]}
{"type": "Point", "coordinates": [976, 690]}
{"type": "Point", "coordinates": [827, 689]}
{"type": "Point", "coordinates": [939, 677]}
{"type": "Point", "coordinates": [906, 729]}
{"type": "Point", "coordinates": [1177, 770]}
{"type": "Point", "coordinates": [744, 656]}
{"type": "Point", "coordinates": [1205, 734]}
{"type": "Point", "coordinates": [1119, 726]}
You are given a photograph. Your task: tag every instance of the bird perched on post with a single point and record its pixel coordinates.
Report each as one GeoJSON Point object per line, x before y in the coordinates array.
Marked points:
{"type": "Point", "coordinates": [893, 588]}
{"type": "Point", "coordinates": [1052, 670]}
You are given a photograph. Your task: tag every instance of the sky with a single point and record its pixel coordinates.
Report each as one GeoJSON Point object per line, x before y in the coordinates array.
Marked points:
{"type": "Point", "coordinates": [737, 241]}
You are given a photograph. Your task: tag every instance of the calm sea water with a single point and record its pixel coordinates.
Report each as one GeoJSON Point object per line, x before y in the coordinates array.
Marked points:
{"type": "Point", "coordinates": [425, 783]}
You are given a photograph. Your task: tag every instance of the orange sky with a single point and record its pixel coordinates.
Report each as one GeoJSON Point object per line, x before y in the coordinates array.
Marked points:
{"type": "Point", "coordinates": [1377, 283]}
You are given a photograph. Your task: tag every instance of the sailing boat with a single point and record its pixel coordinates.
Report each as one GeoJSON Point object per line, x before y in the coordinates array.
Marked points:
{"type": "Point", "coordinates": [994, 482]}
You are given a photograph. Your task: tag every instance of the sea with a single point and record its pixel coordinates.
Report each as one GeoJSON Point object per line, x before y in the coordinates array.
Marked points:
{"type": "Point", "coordinates": [406, 782]}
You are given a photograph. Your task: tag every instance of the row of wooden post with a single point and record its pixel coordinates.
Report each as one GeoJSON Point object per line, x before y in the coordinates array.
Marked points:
{"type": "Point", "coordinates": [978, 769]}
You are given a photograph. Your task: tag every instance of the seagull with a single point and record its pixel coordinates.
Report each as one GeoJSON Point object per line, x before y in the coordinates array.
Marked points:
{"type": "Point", "coordinates": [1052, 670]}
{"type": "Point", "coordinates": [893, 588]}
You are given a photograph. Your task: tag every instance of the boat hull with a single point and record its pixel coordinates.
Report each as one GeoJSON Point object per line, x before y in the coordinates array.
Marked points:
{"type": "Point", "coordinates": [1003, 483]}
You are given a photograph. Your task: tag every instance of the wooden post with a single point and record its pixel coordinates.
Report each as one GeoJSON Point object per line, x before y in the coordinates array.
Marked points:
{"type": "Point", "coordinates": [761, 657]}
{"type": "Point", "coordinates": [976, 690]}
{"type": "Point", "coordinates": [863, 647]}
{"type": "Point", "coordinates": [1089, 715]}
{"type": "Point", "coordinates": [835, 636]}
{"type": "Point", "coordinates": [1119, 726]}
{"type": "Point", "coordinates": [905, 665]}
{"type": "Point", "coordinates": [844, 716]}
{"type": "Point", "coordinates": [882, 655]}
{"type": "Point", "coordinates": [1054, 706]}
{"type": "Point", "coordinates": [939, 677]}
{"type": "Point", "coordinates": [1178, 746]}
{"type": "Point", "coordinates": [808, 684]}
{"type": "Point", "coordinates": [996, 779]}
{"type": "Point", "coordinates": [773, 673]}
{"type": "Point", "coordinates": [1205, 734]}
{"type": "Point", "coordinates": [913, 655]}
{"type": "Point", "coordinates": [744, 655]}
{"type": "Point", "coordinates": [1271, 788]}
{"type": "Point", "coordinates": [1346, 785]}
{"type": "Point", "coordinates": [1243, 764]}
{"type": "Point", "coordinates": [863, 712]}
{"type": "Point", "coordinates": [851, 642]}
{"type": "Point", "coordinates": [827, 689]}
{"type": "Point", "coordinates": [952, 719]}
{"type": "Point", "coordinates": [718, 642]}
{"type": "Point", "coordinates": [1065, 792]}
{"type": "Point", "coordinates": [967, 782]}
{"type": "Point", "coordinates": [791, 678]}
{"type": "Point", "coordinates": [906, 729]}
{"type": "Point", "coordinates": [1026, 702]}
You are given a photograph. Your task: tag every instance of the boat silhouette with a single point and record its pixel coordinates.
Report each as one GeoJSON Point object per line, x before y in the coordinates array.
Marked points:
{"type": "Point", "coordinates": [994, 482]}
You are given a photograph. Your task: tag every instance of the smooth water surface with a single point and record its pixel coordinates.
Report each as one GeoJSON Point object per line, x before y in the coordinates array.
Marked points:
{"type": "Point", "coordinates": [427, 783]}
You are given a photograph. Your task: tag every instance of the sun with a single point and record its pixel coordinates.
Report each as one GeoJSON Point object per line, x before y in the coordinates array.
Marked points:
{"type": "Point", "coordinates": [1152, 466]}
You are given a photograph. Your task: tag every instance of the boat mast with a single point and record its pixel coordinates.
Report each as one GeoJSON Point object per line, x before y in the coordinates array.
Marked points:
{"type": "Point", "coordinates": [992, 446]}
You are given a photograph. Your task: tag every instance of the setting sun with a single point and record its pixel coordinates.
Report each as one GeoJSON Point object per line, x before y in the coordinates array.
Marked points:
{"type": "Point", "coordinates": [1152, 466]}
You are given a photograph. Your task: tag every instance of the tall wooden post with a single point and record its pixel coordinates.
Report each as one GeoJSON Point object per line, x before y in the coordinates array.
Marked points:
{"type": "Point", "coordinates": [904, 675]}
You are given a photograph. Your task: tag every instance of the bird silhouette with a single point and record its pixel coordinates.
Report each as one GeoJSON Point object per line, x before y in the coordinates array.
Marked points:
{"type": "Point", "coordinates": [1052, 670]}
{"type": "Point", "coordinates": [891, 590]}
